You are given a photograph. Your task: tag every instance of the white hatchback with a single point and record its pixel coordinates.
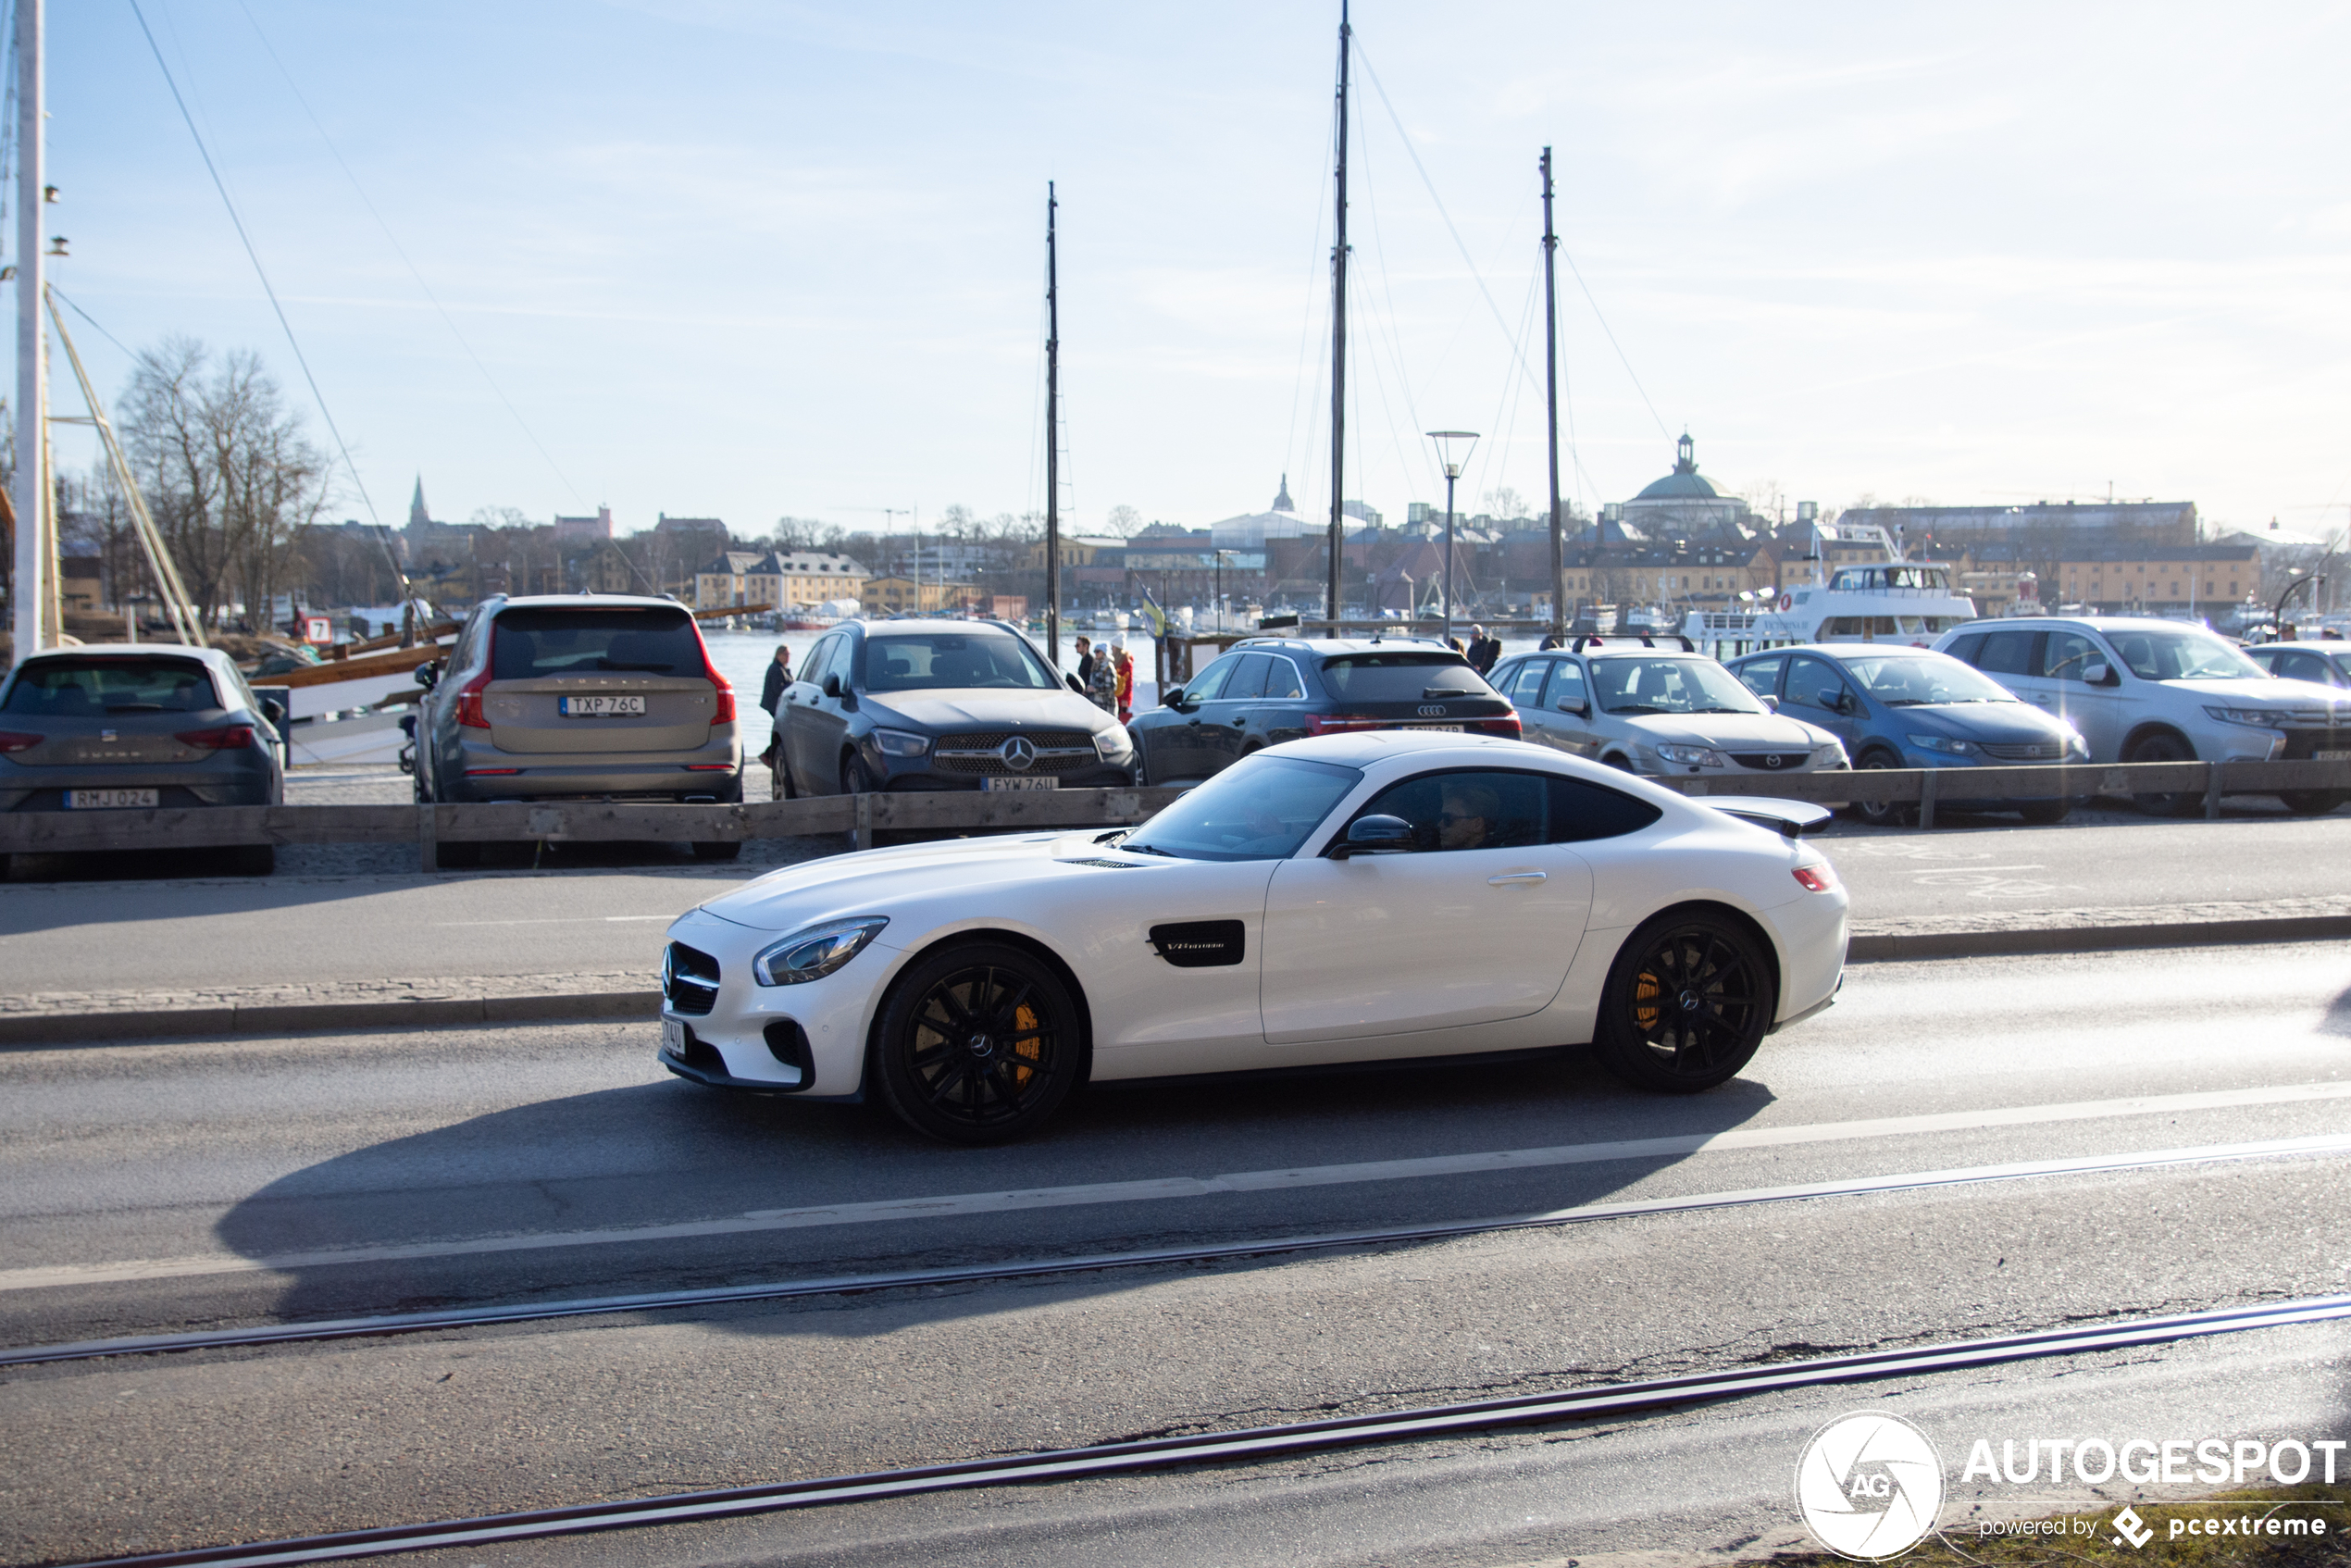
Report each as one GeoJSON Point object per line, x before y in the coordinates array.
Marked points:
{"type": "Point", "coordinates": [1381, 896]}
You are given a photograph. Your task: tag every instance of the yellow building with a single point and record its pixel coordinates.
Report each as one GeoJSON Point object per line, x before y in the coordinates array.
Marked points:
{"type": "Point", "coordinates": [784, 579]}
{"type": "Point", "coordinates": [900, 596]}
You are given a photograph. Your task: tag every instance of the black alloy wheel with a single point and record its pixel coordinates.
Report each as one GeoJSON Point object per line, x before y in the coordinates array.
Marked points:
{"type": "Point", "coordinates": [2170, 802]}
{"type": "Point", "coordinates": [856, 778]}
{"type": "Point", "coordinates": [978, 1043]}
{"type": "Point", "coordinates": [1688, 1000]}
{"type": "Point", "coordinates": [1884, 813]}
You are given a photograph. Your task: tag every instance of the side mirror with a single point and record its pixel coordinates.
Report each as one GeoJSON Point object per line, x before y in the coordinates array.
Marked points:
{"type": "Point", "coordinates": [1836, 702]}
{"type": "Point", "coordinates": [1374, 835]}
{"type": "Point", "coordinates": [1769, 702]}
{"type": "Point", "coordinates": [832, 686]}
{"type": "Point", "coordinates": [1580, 708]}
{"type": "Point", "coordinates": [1070, 678]}
{"type": "Point", "coordinates": [1172, 697]}
{"type": "Point", "coordinates": [273, 709]}
{"type": "Point", "coordinates": [2097, 672]}
{"type": "Point", "coordinates": [426, 674]}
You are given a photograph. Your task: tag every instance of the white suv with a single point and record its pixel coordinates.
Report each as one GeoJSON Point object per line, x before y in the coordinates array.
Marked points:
{"type": "Point", "coordinates": [2154, 690]}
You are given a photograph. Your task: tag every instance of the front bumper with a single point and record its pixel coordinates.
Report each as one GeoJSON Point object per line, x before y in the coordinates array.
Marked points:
{"type": "Point", "coordinates": [914, 775]}
{"type": "Point", "coordinates": [806, 1040]}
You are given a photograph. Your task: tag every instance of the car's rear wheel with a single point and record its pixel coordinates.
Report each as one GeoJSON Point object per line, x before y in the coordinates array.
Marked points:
{"type": "Point", "coordinates": [1688, 1000]}
{"type": "Point", "coordinates": [2165, 748]}
{"type": "Point", "coordinates": [2045, 813]}
{"type": "Point", "coordinates": [253, 860]}
{"type": "Point", "coordinates": [978, 1043]}
{"type": "Point", "coordinates": [458, 856]}
{"type": "Point", "coordinates": [1884, 813]}
{"type": "Point", "coordinates": [718, 849]}
{"type": "Point", "coordinates": [2313, 803]}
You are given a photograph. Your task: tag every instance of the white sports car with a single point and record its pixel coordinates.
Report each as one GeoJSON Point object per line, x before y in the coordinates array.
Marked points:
{"type": "Point", "coordinates": [1370, 897]}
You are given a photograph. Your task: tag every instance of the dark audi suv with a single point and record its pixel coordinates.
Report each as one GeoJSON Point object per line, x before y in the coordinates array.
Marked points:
{"type": "Point", "coordinates": [1269, 690]}
{"type": "Point", "coordinates": [939, 704]}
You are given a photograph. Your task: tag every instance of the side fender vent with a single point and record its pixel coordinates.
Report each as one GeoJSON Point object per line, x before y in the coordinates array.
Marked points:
{"type": "Point", "coordinates": [1200, 944]}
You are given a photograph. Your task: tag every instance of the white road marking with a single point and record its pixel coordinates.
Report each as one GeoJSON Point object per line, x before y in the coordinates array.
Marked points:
{"type": "Point", "coordinates": [1974, 870]}
{"type": "Point", "coordinates": [892, 1209]}
{"type": "Point", "coordinates": [561, 920]}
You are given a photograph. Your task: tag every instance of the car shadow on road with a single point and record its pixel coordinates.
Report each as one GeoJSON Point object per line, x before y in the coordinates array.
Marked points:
{"type": "Point", "coordinates": [617, 1161]}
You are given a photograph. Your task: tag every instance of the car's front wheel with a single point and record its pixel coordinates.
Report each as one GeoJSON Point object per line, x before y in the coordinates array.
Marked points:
{"type": "Point", "coordinates": [1688, 1000]}
{"type": "Point", "coordinates": [978, 1043]}
{"type": "Point", "coordinates": [1885, 814]}
{"type": "Point", "coordinates": [2165, 748]}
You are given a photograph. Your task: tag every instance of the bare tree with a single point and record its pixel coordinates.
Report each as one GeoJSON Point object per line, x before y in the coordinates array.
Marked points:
{"type": "Point", "coordinates": [1123, 521]}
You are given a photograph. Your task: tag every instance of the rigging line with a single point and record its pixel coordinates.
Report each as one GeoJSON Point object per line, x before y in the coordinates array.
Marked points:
{"type": "Point", "coordinates": [1459, 243]}
{"type": "Point", "coordinates": [422, 286]}
{"type": "Point", "coordinates": [1395, 341]}
{"type": "Point", "coordinates": [254, 257]}
{"type": "Point", "coordinates": [1315, 273]}
{"type": "Point", "coordinates": [92, 320]}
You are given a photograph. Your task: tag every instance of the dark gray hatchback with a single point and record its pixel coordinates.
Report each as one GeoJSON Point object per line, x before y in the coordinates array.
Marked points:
{"type": "Point", "coordinates": [136, 727]}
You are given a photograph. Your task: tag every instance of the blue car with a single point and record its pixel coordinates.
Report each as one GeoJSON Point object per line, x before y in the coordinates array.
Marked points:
{"type": "Point", "coordinates": [1899, 707]}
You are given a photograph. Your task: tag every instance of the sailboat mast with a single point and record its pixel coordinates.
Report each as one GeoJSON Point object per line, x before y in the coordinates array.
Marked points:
{"type": "Point", "coordinates": [1052, 438]}
{"type": "Point", "coordinates": [1551, 398]}
{"type": "Point", "coordinates": [28, 597]}
{"type": "Point", "coordinates": [1339, 343]}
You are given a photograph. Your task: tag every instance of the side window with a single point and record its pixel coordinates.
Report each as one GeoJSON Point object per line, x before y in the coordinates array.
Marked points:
{"type": "Point", "coordinates": [811, 669]}
{"type": "Point", "coordinates": [2069, 653]}
{"type": "Point", "coordinates": [1568, 692]}
{"type": "Point", "coordinates": [1468, 809]}
{"type": "Point", "coordinates": [1968, 649]}
{"type": "Point", "coordinates": [1761, 676]}
{"type": "Point", "coordinates": [2010, 652]}
{"type": "Point", "coordinates": [1281, 680]}
{"type": "Point", "coordinates": [1211, 682]}
{"type": "Point", "coordinates": [1812, 684]}
{"type": "Point", "coordinates": [1248, 679]}
{"type": "Point", "coordinates": [1525, 686]}
{"type": "Point", "coordinates": [1582, 812]}
{"type": "Point", "coordinates": [2305, 667]}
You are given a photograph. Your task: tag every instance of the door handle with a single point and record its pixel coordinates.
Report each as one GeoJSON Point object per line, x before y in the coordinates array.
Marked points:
{"type": "Point", "coordinates": [1240, 722]}
{"type": "Point", "coordinates": [1511, 878]}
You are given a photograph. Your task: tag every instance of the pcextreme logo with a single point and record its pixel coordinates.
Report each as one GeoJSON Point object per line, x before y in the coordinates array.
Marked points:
{"type": "Point", "coordinates": [1869, 1486]}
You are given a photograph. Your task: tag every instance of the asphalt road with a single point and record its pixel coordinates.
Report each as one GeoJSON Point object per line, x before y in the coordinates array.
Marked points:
{"type": "Point", "coordinates": [173, 1186]}
{"type": "Point", "coordinates": [204, 931]}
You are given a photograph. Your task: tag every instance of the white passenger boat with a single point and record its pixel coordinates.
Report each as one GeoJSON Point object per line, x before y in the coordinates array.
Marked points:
{"type": "Point", "coordinates": [1888, 600]}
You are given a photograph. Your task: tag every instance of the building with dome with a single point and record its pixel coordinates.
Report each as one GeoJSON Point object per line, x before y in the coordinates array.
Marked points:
{"type": "Point", "coordinates": [1684, 505]}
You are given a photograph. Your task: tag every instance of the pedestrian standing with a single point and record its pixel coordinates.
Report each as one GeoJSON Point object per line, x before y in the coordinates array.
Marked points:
{"type": "Point", "coordinates": [1483, 650]}
{"type": "Point", "coordinates": [771, 697]}
{"type": "Point", "coordinates": [1126, 662]}
{"type": "Point", "coordinates": [1101, 685]}
{"type": "Point", "coordinates": [1085, 662]}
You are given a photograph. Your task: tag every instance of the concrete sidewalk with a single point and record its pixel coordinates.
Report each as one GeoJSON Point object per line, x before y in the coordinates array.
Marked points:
{"type": "Point", "coordinates": [53, 1018]}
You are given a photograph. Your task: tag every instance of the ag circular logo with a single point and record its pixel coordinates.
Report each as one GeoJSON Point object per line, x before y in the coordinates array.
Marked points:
{"type": "Point", "coordinates": [1869, 1486]}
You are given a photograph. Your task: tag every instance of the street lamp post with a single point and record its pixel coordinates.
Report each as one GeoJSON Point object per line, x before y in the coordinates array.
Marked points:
{"type": "Point", "coordinates": [2300, 577]}
{"type": "Point", "coordinates": [1220, 589]}
{"type": "Point", "coordinates": [1452, 450]}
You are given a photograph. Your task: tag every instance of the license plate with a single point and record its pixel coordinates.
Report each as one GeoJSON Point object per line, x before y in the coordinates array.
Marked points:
{"type": "Point", "coordinates": [1020, 783]}
{"type": "Point", "coordinates": [673, 1037]}
{"type": "Point", "coordinates": [108, 800]}
{"type": "Point", "coordinates": [599, 707]}
{"type": "Point", "coordinates": [2331, 756]}
{"type": "Point", "coordinates": [1442, 728]}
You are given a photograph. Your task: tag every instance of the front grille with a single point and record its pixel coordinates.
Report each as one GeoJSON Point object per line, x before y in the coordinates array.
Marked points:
{"type": "Point", "coordinates": [1057, 751]}
{"type": "Point", "coordinates": [2026, 751]}
{"type": "Point", "coordinates": [1772, 762]}
{"type": "Point", "coordinates": [2303, 745]}
{"type": "Point", "coordinates": [690, 980]}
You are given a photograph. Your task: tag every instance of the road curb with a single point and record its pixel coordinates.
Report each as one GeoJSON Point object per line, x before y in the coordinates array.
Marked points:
{"type": "Point", "coordinates": [558, 1007]}
{"type": "Point", "coordinates": [1889, 946]}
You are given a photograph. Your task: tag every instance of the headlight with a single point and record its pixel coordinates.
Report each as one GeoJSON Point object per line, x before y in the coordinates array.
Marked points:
{"type": "Point", "coordinates": [900, 743]}
{"type": "Point", "coordinates": [815, 953]}
{"type": "Point", "coordinates": [2074, 745]}
{"type": "Point", "coordinates": [1694, 756]}
{"type": "Point", "coordinates": [1830, 755]}
{"type": "Point", "coordinates": [1113, 744]}
{"type": "Point", "coordinates": [1943, 743]}
{"type": "Point", "coordinates": [2265, 717]}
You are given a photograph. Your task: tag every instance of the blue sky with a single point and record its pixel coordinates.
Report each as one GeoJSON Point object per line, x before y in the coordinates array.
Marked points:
{"type": "Point", "coordinates": [747, 260]}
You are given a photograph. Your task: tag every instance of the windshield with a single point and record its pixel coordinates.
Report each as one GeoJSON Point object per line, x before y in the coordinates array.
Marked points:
{"type": "Point", "coordinates": [1260, 808]}
{"type": "Point", "coordinates": [2181, 655]}
{"type": "Point", "coordinates": [1912, 680]}
{"type": "Point", "coordinates": [64, 688]}
{"type": "Point", "coordinates": [1402, 676]}
{"type": "Point", "coordinates": [953, 661]}
{"type": "Point", "coordinates": [1670, 686]}
{"type": "Point", "coordinates": [529, 643]}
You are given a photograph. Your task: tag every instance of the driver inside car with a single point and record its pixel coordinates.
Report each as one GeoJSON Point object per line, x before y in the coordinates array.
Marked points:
{"type": "Point", "coordinates": [1465, 819]}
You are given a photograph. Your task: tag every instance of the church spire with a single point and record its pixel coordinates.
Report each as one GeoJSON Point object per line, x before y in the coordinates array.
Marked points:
{"type": "Point", "coordinates": [1282, 503]}
{"type": "Point", "coordinates": [1684, 455]}
{"type": "Point", "coordinates": [418, 517]}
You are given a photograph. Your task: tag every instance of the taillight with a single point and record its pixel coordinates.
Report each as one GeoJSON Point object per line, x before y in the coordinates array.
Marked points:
{"type": "Point", "coordinates": [469, 700]}
{"type": "Point", "coordinates": [1819, 877]}
{"type": "Point", "coordinates": [1339, 723]}
{"type": "Point", "coordinates": [16, 741]}
{"type": "Point", "coordinates": [1508, 725]}
{"type": "Point", "coordinates": [227, 738]}
{"type": "Point", "coordinates": [723, 711]}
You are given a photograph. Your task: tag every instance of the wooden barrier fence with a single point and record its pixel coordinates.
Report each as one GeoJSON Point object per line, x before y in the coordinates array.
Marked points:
{"type": "Point", "coordinates": [860, 816]}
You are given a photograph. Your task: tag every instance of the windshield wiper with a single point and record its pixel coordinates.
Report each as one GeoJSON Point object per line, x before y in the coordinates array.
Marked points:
{"type": "Point", "coordinates": [1723, 710]}
{"type": "Point", "coordinates": [1635, 708]}
{"type": "Point", "coordinates": [136, 707]}
{"type": "Point", "coordinates": [1906, 701]}
{"type": "Point", "coordinates": [649, 670]}
{"type": "Point", "coordinates": [1150, 849]}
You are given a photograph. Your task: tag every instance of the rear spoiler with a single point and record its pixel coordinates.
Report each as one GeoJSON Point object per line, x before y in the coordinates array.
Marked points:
{"type": "Point", "coordinates": [1791, 820]}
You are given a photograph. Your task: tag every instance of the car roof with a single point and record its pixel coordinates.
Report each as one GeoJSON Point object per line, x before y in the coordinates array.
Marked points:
{"type": "Point", "coordinates": [927, 623]}
{"type": "Point", "coordinates": [2096, 623]}
{"type": "Point", "coordinates": [1848, 651]}
{"type": "Point", "coordinates": [583, 602]}
{"type": "Point", "coordinates": [1342, 645]}
{"type": "Point", "coordinates": [127, 650]}
{"type": "Point", "coordinates": [1362, 748]}
{"type": "Point", "coordinates": [2308, 645]}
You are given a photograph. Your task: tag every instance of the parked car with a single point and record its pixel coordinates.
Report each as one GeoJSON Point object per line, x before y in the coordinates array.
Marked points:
{"type": "Point", "coordinates": [1657, 711]}
{"type": "Point", "coordinates": [940, 705]}
{"type": "Point", "coordinates": [577, 697]}
{"type": "Point", "coordinates": [138, 726]}
{"type": "Point", "coordinates": [2321, 664]}
{"type": "Point", "coordinates": [2155, 690]}
{"type": "Point", "coordinates": [1893, 706]}
{"type": "Point", "coordinates": [1382, 896]}
{"type": "Point", "coordinates": [1265, 690]}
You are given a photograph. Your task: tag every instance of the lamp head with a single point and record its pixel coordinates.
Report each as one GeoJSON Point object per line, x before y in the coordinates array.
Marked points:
{"type": "Point", "coordinates": [1454, 449]}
